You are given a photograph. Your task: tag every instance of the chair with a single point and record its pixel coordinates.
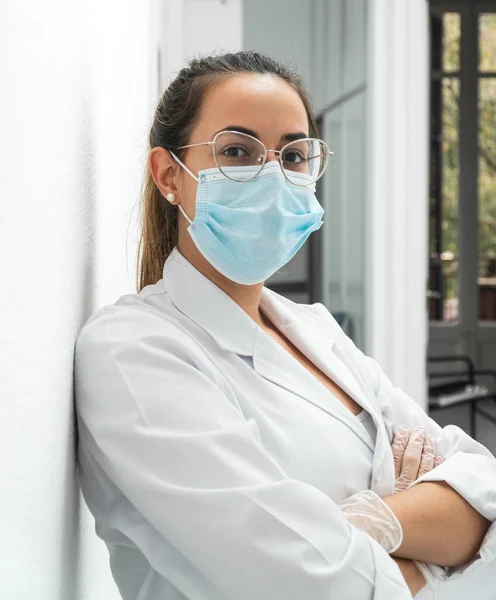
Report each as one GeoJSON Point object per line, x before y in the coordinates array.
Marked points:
{"type": "Point", "coordinates": [454, 382]}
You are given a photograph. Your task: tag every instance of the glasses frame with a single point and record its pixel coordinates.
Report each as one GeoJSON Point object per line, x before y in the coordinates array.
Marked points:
{"type": "Point", "coordinates": [278, 154]}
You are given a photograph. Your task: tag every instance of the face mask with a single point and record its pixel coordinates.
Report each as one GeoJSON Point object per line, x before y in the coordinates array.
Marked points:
{"type": "Point", "coordinates": [248, 230]}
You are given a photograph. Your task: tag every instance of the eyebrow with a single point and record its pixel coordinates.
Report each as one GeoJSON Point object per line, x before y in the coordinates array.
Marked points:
{"type": "Point", "coordinates": [287, 137]}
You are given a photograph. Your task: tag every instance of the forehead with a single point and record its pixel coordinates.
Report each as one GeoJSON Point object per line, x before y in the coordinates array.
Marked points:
{"type": "Point", "coordinates": [263, 103]}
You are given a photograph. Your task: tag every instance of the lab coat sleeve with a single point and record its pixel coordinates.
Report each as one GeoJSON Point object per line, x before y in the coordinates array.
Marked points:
{"type": "Point", "coordinates": [469, 467]}
{"type": "Point", "coordinates": [170, 435]}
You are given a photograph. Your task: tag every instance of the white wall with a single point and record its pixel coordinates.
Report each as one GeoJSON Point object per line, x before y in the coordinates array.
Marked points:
{"type": "Point", "coordinates": [80, 83]}
{"type": "Point", "coordinates": [74, 112]}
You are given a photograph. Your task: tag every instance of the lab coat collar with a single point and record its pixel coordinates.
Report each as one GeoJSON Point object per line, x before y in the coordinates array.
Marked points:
{"type": "Point", "coordinates": [208, 306]}
{"type": "Point", "coordinates": [216, 313]}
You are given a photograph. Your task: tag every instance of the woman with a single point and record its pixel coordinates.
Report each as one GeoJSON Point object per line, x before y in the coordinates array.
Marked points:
{"type": "Point", "coordinates": [235, 445]}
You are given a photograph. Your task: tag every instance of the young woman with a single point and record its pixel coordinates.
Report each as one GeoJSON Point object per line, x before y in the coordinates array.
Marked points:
{"type": "Point", "coordinates": [234, 445]}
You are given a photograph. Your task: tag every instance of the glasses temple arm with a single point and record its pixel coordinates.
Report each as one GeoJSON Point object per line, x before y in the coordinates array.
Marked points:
{"type": "Point", "coordinates": [192, 145]}
{"type": "Point", "coordinates": [184, 166]}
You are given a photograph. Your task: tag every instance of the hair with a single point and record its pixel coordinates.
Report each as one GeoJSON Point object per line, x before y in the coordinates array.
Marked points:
{"type": "Point", "coordinates": [176, 115]}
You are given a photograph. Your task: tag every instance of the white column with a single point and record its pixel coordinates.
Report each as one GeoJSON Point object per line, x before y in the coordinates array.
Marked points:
{"type": "Point", "coordinates": [397, 219]}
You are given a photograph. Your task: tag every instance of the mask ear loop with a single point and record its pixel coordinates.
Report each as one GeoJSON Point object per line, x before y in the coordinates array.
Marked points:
{"type": "Point", "coordinates": [192, 175]}
{"type": "Point", "coordinates": [184, 214]}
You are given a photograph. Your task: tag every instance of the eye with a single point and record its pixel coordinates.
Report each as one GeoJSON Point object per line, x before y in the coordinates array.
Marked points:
{"type": "Point", "coordinates": [234, 152]}
{"type": "Point", "coordinates": [293, 157]}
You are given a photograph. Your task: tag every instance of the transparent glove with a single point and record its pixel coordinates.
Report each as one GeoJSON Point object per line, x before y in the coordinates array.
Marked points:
{"type": "Point", "coordinates": [414, 455]}
{"type": "Point", "coordinates": [369, 513]}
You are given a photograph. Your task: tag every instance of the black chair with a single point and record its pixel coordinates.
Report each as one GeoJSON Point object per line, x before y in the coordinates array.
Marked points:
{"type": "Point", "coordinates": [455, 382]}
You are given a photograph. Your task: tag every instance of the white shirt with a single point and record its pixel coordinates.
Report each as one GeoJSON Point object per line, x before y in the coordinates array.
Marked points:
{"type": "Point", "coordinates": [214, 462]}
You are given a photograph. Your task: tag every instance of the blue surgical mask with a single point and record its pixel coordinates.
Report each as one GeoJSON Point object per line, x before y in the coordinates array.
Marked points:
{"type": "Point", "coordinates": [248, 230]}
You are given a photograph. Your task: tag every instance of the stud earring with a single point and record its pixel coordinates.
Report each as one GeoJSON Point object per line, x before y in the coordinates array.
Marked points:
{"type": "Point", "coordinates": [170, 197]}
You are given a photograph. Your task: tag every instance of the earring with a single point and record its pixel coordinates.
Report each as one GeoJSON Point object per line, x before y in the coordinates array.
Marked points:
{"type": "Point", "coordinates": [170, 197]}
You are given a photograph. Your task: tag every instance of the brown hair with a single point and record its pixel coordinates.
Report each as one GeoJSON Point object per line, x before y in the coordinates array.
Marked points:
{"type": "Point", "coordinates": [176, 115]}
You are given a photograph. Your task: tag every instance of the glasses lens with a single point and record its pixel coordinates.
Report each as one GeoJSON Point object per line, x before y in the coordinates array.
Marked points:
{"type": "Point", "coordinates": [304, 161]}
{"type": "Point", "coordinates": [235, 151]}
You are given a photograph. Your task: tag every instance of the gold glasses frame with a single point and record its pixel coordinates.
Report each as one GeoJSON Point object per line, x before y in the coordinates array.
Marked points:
{"type": "Point", "coordinates": [262, 159]}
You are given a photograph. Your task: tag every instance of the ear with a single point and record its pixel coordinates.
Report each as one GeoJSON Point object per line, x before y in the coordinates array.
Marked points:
{"type": "Point", "coordinates": [164, 171]}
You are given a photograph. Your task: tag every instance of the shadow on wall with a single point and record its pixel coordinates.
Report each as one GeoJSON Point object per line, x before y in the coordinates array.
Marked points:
{"type": "Point", "coordinates": [70, 574]}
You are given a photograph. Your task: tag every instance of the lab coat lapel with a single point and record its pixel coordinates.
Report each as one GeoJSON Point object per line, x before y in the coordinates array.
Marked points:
{"type": "Point", "coordinates": [383, 477]}
{"type": "Point", "coordinates": [208, 306]}
{"type": "Point", "coordinates": [315, 340]}
{"type": "Point", "coordinates": [332, 359]}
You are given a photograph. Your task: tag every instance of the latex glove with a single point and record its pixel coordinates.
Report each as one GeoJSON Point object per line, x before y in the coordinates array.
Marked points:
{"type": "Point", "coordinates": [369, 513]}
{"type": "Point", "coordinates": [414, 455]}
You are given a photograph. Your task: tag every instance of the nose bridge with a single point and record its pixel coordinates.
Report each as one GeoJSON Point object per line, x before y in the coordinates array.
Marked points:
{"type": "Point", "coordinates": [274, 158]}
{"type": "Point", "coordinates": [275, 154]}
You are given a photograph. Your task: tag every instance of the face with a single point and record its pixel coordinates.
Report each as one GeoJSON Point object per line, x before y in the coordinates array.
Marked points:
{"type": "Point", "coordinates": [264, 106]}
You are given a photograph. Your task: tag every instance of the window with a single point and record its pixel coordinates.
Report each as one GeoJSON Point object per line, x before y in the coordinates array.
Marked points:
{"type": "Point", "coordinates": [487, 166]}
{"type": "Point", "coordinates": [475, 31]}
{"type": "Point", "coordinates": [445, 151]}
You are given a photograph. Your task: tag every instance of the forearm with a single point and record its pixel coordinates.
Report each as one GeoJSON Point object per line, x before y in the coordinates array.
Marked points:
{"type": "Point", "coordinates": [439, 526]}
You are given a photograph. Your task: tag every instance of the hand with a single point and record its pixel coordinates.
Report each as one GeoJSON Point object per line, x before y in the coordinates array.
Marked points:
{"type": "Point", "coordinates": [413, 576]}
{"type": "Point", "coordinates": [414, 455]}
{"type": "Point", "coordinates": [366, 511]}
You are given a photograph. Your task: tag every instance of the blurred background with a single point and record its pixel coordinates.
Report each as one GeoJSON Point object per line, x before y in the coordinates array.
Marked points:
{"type": "Point", "coordinates": [405, 94]}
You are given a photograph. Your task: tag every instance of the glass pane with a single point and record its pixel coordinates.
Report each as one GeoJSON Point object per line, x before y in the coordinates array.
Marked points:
{"type": "Point", "coordinates": [487, 199]}
{"type": "Point", "coordinates": [450, 171]}
{"type": "Point", "coordinates": [451, 42]}
{"type": "Point", "coordinates": [344, 199]}
{"type": "Point", "coordinates": [487, 42]}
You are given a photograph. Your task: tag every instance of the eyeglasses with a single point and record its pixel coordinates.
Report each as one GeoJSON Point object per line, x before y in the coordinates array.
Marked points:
{"type": "Point", "coordinates": [302, 161]}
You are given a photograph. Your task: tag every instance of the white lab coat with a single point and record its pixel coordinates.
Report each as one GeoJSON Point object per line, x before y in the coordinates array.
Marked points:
{"type": "Point", "coordinates": [213, 461]}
